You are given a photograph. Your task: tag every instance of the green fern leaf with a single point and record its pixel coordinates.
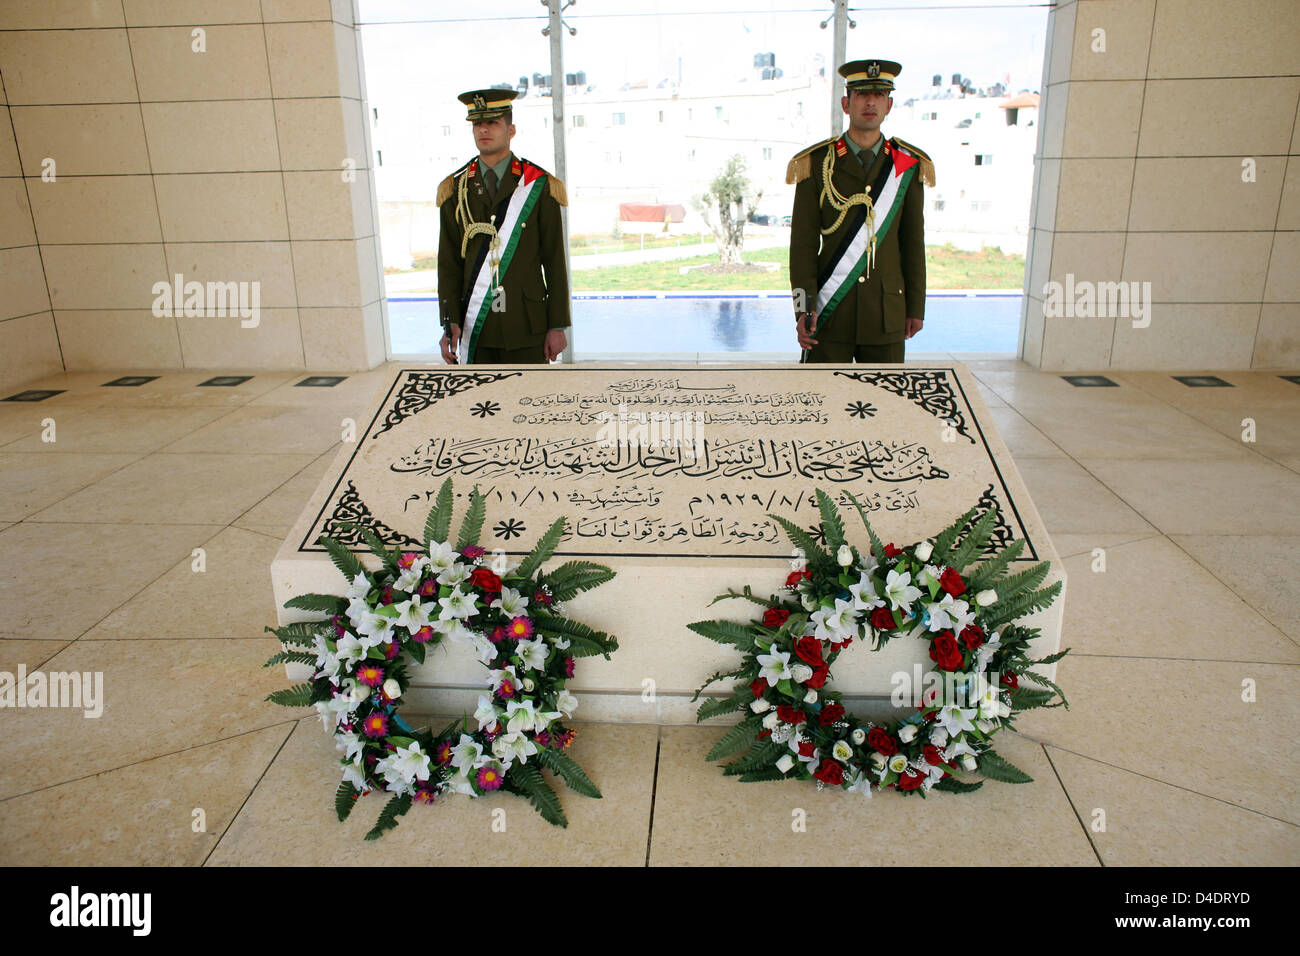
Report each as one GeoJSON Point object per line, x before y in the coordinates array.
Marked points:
{"type": "Point", "coordinates": [716, 706]}
{"type": "Point", "coordinates": [736, 739]}
{"type": "Point", "coordinates": [943, 541]}
{"type": "Point", "coordinates": [542, 551]}
{"type": "Point", "coordinates": [973, 543]}
{"type": "Point", "coordinates": [1051, 658]}
{"type": "Point", "coordinates": [758, 776]}
{"type": "Point", "coordinates": [326, 603]}
{"type": "Point", "coordinates": [988, 572]}
{"type": "Point", "coordinates": [759, 757]}
{"type": "Point", "coordinates": [299, 695]}
{"type": "Point", "coordinates": [832, 523]}
{"type": "Point", "coordinates": [437, 524]}
{"type": "Point", "coordinates": [801, 539]}
{"type": "Point", "coordinates": [345, 798]}
{"type": "Point", "coordinates": [567, 770]}
{"type": "Point", "coordinates": [300, 633]}
{"type": "Point", "coordinates": [388, 816]}
{"type": "Point", "coordinates": [726, 632]}
{"type": "Point", "coordinates": [995, 767]}
{"type": "Point", "coordinates": [472, 526]}
{"type": "Point", "coordinates": [343, 559]}
{"type": "Point", "coordinates": [530, 782]}
{"type": "Point", "coordinates": [574, 577]}
{"type": "Point", "coordinates": [748, 595]}
{"type": "Point", "coordinates": [953, 785]}
{"type": "Point", "coordinates": [291, 657]}
{"type": "Point", "coordinates": [877, 546]}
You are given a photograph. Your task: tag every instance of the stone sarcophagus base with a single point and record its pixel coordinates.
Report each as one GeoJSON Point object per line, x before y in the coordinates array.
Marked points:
{"type": "Point", "coordinates": [668, 475]}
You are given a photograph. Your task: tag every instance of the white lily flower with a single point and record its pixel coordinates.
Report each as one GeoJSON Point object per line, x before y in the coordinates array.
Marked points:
{"type": "Point", "coordinates": [939, 736]}
{"type": "Point", "coordinates": [358, 610]}
{"type": "Point", "coordinates": [864, 594]}
{"type": "Point", "coordinates": [349, 651]}
{"type": "Point", "coordinates": [459, 783]}
{"type": "Point", "coordinates": [453, 576]}
{"type": "Point", "coordinates": [984, 653]}
{"type": "Point", "coordinates": [521, 715]}
{"type": "Point", "coordinates": [533, 653]}
{"type": "Point", "coordinates": [458, 605]}
{"type": "Point", "coordinates": [774, 667]}
{"type": "Point", "coordinates": [861, 783]}
{"type": "Point", "coordinates": [467, 755]}
{"type": "Point", "coordinates": [351, 744]}
{"type": "Point", "coordinates": [333, 711]}
{"type": "Point", "coordinates": [355, 774]}
{"type": "Point", "coordinates": [375, 629]}
{"type": "Point", "coordinates": [517, 746]}
{"type": "Point", "coordinates": [956, 749]}
{"type": "Point", "coordinates": [955, 719]}
{"type": "Point", "coordinates": [487, 714]}
{"type": "Point", "coordinates": [566, 702]}
{"type": "Point", "coordinates": [929, 575]}
{"type": "Point", "coordinates": [413, 614]}
{"type": "Point", "coordinates": [836, 622]}
{"type": "Point", "coordinates": [442, 555]}
{"type": "Point", "coordinates": [901, 592]}
{"type": "Point", "coordinates": [485, 649]}
{"type": "Point", "coordinates": [495, 677]}
{"type": "Point", "coordinates": [406, 764]}
{"type": "Point", "coordinates": [512, 603]}
{"type": "Point", "coordinates": [409, 578]}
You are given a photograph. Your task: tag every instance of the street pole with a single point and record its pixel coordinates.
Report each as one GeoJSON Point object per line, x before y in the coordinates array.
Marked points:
{"type": "Point", "coordinates": [837, 56]}
{"type": "Point", "coordinates": [555, 30]}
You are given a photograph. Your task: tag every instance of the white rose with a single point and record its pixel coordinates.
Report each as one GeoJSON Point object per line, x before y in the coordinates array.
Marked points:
{"type": "Point", "coordinates": [858, 736]}
{"type": "Point", "coordinates": [842, 751]}
{"type": "Point", "coordinates": [923, 551]}
{"type": "Point", "coordinates": [906, 733]}
{"type": "Point", "coordinates": [985, 598]}
{"type": "Point", "coordinates": [359, 693]}
{"type": "Point", "coordinates": [938, 736]}
{"type": "Point", "coordinates": [760, 706]}
{"type": "Point", "coordinates": [528, 684]}
{"type": "Point", "coordinates": [785, 763]}
{"type": "Point", "coordinates": [501, 748]}
{"type": "Point", "coordinates": [897, 763]}
{"type": "Point", "coordinates": [566, 702]}
{"type": "Point", "coordinates": [800, 672]}
{"type": "Point", "coordinates": [771, 720]}
{"type": "Point", "coordinates": [809, 602]}
{"type": "Point", "coordinates": [985, 726]}
{"type": "Point", "coordinates": [844, 556]}
{"type": "Point", "coordinates": [878, 760]}
{"type": "Point", "coordinates": [392, 689]}
{"type": "Point", "coordinates": [968, 762]}
{"type": "Point", "coordinates": [810, 697]}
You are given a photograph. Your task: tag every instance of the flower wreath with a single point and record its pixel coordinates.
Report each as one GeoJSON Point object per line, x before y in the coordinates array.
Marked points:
{"type": "Point", "coordinates": [794, 726]}
{"type": "Point", "coordinates": [511, 614]}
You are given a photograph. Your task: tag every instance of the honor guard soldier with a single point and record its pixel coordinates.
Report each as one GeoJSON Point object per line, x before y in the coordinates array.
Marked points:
{"type": "Point", "coordinates": [857, 242]}
{"type": "Point", "coordinates": [503, 287]}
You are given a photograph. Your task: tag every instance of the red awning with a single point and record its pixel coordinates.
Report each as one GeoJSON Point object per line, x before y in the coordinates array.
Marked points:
{"type": "Point", "coordinates": [650, 212]}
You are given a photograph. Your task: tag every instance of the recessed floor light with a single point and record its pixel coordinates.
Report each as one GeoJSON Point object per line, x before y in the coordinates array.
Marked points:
{"type": "Point", "coordinates": [1291, 378]}
{"type": "Point", "coordinates": [130, 380]}
{"type": "Point", "coordinates": [320, 381]}
{"type": "Point", "coordinates": [226, 381]}
{"type": "Point", "coordinates": [1090, 381]}
{"type": "Point", "coordinates": [1202, 381]}
{"type": "Point", "coordinates": [35, 394]}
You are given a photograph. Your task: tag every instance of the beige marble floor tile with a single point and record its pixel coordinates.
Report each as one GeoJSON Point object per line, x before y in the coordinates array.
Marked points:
{"type": "Point", "coordinates": [1274, 429]}
{"type": "Point", "coordinates": [114, 429]}
{"type": "Point", "coordinates": [1253, 566]}
{"type": "Point", "coordinates": [140, 815]}
{"type": "Point", "coordinates": [61, 579]}
{"type": "Point", "coordinates": [1184, 723]}
{"type": "Point", "coordinates": [1016, 386]}
{"type": "Point", "coordinates": [32, 481]}
{"type": "Point", "coordinates": [1068, 545]}
{"type": "Point", "coordinates": [1022, 438]}
{"type": "Point", "coordinates": [230, 597]}
{"type": "Point", "coordinates": [289, 820]}
{"type": "Point", "coordinates": [1178, 611]}
{"type": "Point", "coordinates": [1072, 501]}
{"type": "Point", "coordinates": [275, 514]}
{"type": "Point", "coordinates": [30, 653]}
{"type": "Point", "coordinates": [703, 818]}
{"type": "Point", "coordinates": [157, 699]}
{"type": "Point", "coordinates": [172, 387]}
{"type": "Point", "coordinates": [21, 420]}
{"type": "Point", "coordinates": [1148, 823]}
{"type": "Point", "coordinates": [360, 390]}
{"type": "Point", "coordinates": [1248, 496]}
{"type": "Point", "coordinates": [991, 398]}
{"type": "Point", "coordinates": [1144, 429]}
{"type": "Point", "coordinates": [266, 430]}
{"type": "Point", "coordinates": [168, 488]}
{"type": "Point", "coordinates": [1247, 388]}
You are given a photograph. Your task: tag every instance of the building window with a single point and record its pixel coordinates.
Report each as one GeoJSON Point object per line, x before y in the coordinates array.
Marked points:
{"type": "Point", "coordinates": [983, 159]}
{"type": "Point", "coordinates": [981, 205]}
{"type": "Point", "coordinates": [620, 119]}
{"type": "Point", "coordinates": [579, 120]}
{"type": "Point", "coordinates": [446, 131]}
{"type": "Point", "coordinates": [938, 205]}
{"type": "Point", "coordinates": [767, 152]}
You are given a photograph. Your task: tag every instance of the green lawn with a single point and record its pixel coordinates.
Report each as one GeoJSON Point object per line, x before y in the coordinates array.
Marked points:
{"type": "Point", "coordinates": [946, 268]}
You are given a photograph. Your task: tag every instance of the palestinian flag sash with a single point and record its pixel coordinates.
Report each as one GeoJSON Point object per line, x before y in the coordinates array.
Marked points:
{"type": "Point", "coordinates": [488, 275]}
{"type": "Point", "coordinates": [853, 258]}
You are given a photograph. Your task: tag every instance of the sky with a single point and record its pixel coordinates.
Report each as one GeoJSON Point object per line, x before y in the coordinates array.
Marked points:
{"type": "Point", "coordinates": [433, 48]}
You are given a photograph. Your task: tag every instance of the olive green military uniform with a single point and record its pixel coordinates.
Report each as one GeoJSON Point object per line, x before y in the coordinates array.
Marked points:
{"type": "Point", "coordinates": [534, 294]}
{"type": "Point", "coordinates": [870, 323]}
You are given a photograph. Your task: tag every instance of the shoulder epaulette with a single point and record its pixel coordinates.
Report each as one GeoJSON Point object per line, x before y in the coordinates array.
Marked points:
{"type": "Point", "coordinates": [927, 165]}
{"type": "Point", "coordinates": [554, 185]}
{"type": "Point", "coordinates": [800, 166]}
{"type": "Point", "coordinates": [448, 185]}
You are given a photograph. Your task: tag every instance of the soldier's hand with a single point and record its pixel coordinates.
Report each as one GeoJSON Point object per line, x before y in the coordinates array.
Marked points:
{"type": "Point", "coordinates": [555, 344]}
{"type": "Point", "coordinates": [913, 326]}
{"type": "Point", "coordinates": [450, 342]}
{"type": "Point", "coordinates": [806, 323]}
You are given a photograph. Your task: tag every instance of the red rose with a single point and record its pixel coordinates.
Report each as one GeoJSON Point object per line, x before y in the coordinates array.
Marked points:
{"type": "Point", "coordinates": [797, 576]}
{"type": "Point", "coordinates": [758, 687]}
{"type": "Point", "coordinates": [790, 715]}
{"type": "Point", "coordinates": [910, 781]}
{"type": "Point", "coordinates": [932, 755]}
{"type": "Point", "coordinates": [945, 652]}
{"type": "Point", "coordinates": [485, 580]}
{"type": "Point", "coordinates": [829, 772]}
{"type": "Point", "coordinates": [764, 734]}
{"type": "Point", "coordinates": [818, 679]}
{"type": "Point", "coordinates": [891, 551]}
{"type": "Point", "coordinates": [1011, 680]}
{"type": "Point", "coordinates": [775, 616]}
{"type": "Point", "coordinates": [806, 749]}
{"type": "Point", "coordinates": [951, 582]}
{"type": "Point", "coordinates": [829, 714]}
{"type": "Point", "coordinates": [880, 741]}
{"type": "Point", "coordinates": [972, 635]}
{"type": "Point", "coordinates": [882, 619]}
{"type": "Point", "coordinates": [809, 650]}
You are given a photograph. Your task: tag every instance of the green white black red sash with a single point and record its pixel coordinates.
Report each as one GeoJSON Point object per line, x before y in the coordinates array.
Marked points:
{"type": "Point", "coordinates": [852, 259]}
{"type": "Point", "coordinates": [532, 183]}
